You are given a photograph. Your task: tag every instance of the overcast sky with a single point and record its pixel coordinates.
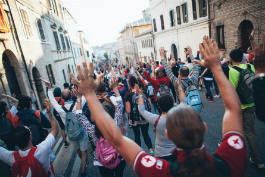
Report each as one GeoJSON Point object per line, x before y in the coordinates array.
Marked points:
{"type": "Point", "coordinates": [102, 20]}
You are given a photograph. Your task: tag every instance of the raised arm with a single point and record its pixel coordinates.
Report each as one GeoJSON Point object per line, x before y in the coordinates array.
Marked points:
{"type": "Point", "coordinates": [232, 120]}
{"type": "Point", "coordinates": [53, 121]}
{"type": "Point", "coordinates": [87, 86]}
{"type": "Point", "coordinates": [14, 100]}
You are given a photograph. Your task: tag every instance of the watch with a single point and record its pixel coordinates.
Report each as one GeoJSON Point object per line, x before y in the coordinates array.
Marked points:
{"type": "Point", "coordinates": [78, 100]}
{"type": "Point", "coordinates": [260, 75]}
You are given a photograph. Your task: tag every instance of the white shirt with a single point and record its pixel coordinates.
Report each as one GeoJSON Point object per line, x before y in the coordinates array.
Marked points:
{"type": "Point", "coordinates": [67, 105]}
{"type": "Point", "coordinates": [42, 154]}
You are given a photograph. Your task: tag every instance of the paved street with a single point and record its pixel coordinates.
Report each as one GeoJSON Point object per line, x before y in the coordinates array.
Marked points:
{"type": "Point", "coordinates": [212, 114]}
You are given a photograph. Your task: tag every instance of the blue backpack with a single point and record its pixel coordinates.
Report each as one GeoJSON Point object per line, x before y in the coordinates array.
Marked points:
{"type": "Point", "coordinates": [192, 94]}
{"type": "Point", "coordinates": [73, 128]}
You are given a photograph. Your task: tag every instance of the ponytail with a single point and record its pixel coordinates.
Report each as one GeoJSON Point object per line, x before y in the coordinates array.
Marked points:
{"type": "Point", "coordinates": [197, 164]}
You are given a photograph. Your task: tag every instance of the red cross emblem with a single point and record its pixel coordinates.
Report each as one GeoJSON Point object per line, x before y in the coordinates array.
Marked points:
{"type": "Point", "coordinates": [147, 159]}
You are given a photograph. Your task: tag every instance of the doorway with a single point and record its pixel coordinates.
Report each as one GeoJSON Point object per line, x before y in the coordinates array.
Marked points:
{"type": "Point", "coordinates": [245, 29]}
{"type": "Point", "coordinates": [174, 51]}
{"type": "Point", "coordinates": [39, 86]}
{"type": "Point", "coordinates": [11, 76]}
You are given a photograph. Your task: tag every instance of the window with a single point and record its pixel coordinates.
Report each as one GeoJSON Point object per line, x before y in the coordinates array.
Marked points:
{"type": "Point", "coordinates": [172, 20]}
{"type": "Point", "coordinates": [48, 4]}
{"type": "Point", "coordinates": [178, 15]}
{"type": "Point", "coordinates": [57, 40]}
{"type": "Point", "coordinates": [203, 8]}
{"type": "Point", "coordinates": [194, 11]}
{"type": "Point", "coordinates": [185, 12]}
{"type": "Point", "coordinates": [60, 10]}
{"type": "Point", "coordinates": [80, 51]}
{"type": "Point", "coordinates": [64, 76]}
{"type": "Point", "coordinates": [87, 53]}
{"type": "Point", "coordinates": [220, 37]}
{"type": "Point", "coordinates": [67, 43]}
{"type": "Point", "coordinates": [26, 22]}
{"type": "Point", "coordinates": [154, 23]}
{"type": "Point", "coordinates": [162, 22]}
{"type": "Point", "coordinates": [40, 29]}
{"type": "Point", "coordinates": [50, 74]}
{"type": "Point", "coordinates": [73, 69]}
{"type": "Point", "coordinates": [54, 7]}
{"type": "Point", "coordinates": [63, 43]}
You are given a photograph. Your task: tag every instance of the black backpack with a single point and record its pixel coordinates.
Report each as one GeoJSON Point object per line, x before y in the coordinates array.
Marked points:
{"type": "Point", "coordinates": [136, 115]}
{"type": "Point", "coordinates": [34, 124]}
{"type": "Point", "coordinates": [244, 88]}
{"type": "Point", "coordinates": [5, 125]}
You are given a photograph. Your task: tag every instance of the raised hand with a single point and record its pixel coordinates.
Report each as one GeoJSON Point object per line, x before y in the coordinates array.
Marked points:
{"type": "Point", "coordinates": [86, 83]}
{"type": "Point", "coordinates": [170, 57]}
{"type": "Point", "coordinates": [162, 52]}
{"type": "Point", "coordinates": [113, 82]}
{"type": "Point", "coordinates": [259, 62]}
{"type": "Point", "coordinates": [47, 84]}
{"type": "Point", "coordinates": [78, 94]}
{"type": "Point", "coordinates": [189, 51]}
{"type": "Point", "coordinates": [138, 90]}
{"type": "Point", "coordinates": [251, 36]}
{"type": "Point", "coordinates": [211, 55]}
{"type": "Point", "coordinates": [48, 107]}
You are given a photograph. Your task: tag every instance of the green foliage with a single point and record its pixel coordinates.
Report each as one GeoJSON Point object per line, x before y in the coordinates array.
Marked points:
{"type": "Point", "coordinates": [106, 55]}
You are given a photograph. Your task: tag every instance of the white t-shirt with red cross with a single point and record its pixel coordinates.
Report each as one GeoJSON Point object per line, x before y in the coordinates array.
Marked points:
{"type": "Point", "coordinates": [232, 151]}
{"type": "Point", "coordinates": [42, 154]}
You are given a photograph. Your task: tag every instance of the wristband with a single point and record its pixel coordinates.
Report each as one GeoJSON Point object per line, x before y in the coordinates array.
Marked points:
{"type": "Point", "coordinates": [260, 75]}
{"type": "Point", "coordinates": [78, 100]}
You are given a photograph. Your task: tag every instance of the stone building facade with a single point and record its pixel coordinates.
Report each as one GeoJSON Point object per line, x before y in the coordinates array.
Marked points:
{"type": "Point", "coordinates": [233, 20]}
{"type": "Point", "coordinates": [37, 47]}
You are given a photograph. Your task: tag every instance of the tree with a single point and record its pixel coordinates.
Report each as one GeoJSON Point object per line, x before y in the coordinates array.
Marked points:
{"type": "Point", "coordinates": [106, 55]}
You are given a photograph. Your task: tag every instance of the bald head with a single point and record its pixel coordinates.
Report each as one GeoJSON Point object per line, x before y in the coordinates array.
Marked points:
{"type": "Point", "coordinates": [184, 71]}
{"type": "Point", "coordinates": [66, 94]}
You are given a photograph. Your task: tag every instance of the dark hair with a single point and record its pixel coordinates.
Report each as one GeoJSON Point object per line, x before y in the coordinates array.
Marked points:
{"type": "Point", "coordinates": [236, 55]}
{"type": "Point", "coordinates": [157, 62]}
{"type": "Point", "coordinates": [184, 71]}
{"type": "Point", "coordinates": [165, 102]}
{"type": "Point", "coordinates": [24, 101]}
{"type": "Point", "coordinates": [159, 74]}
{"type": "Point", "coordinates": [66, 85]}
{"type": "Point", "coordinates": [57, 92]}
{"type": "Point", "coordinates": [119, 80]}
{"type": "Point", "coordinates": [101, 87]}
{"type": "Point", "coordinates": [250, 48]}
{"type": "Point", "coordinates": [140, 70]}
{"type": "Point", "coordinates": [133, 81]}
{"type": "Point", "coordinates": [189, 60]}
{"type": "Point", "coordinates": [3, 106]}
{"type": "Point", "coordinates": [21, 136]}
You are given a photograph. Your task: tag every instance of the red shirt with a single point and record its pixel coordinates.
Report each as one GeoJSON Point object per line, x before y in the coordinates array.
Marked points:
{"type": "Point", "coordinates": [155, 82]}
{"type": "Point", "coordinates": [232, 151]}
{"type": "Point", "coordinates": [250, 57]}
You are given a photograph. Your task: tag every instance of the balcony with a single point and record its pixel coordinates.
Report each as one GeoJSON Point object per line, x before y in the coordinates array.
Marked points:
{"type": "Point", "coordinates": [141, 22]}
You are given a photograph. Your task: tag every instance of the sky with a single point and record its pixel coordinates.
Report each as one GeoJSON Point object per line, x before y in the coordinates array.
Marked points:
{"type": "Point", "coordinates": [102, 20]}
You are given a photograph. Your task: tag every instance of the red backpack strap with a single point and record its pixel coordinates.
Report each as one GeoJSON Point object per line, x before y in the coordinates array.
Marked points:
{"type": "Point", "coordinates": [32, 151]}
{"type": "Point", "coordinates": [15, 121]}
{"type": "Point", "coordinates": [16, 155]}
{"type": "Point", "coordinates": [157, 120]}
{"type": "Point", "coordinates": [37, 113]}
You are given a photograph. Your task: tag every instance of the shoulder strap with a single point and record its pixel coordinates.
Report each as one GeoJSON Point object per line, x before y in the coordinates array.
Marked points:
{"type": "Point", "coordinates": [65, 110]}
{"type": "Point", "coordinates": [249, 67]}
{"type": "Point", "coordinates": [72, 107]}
{"type": "Point", "coordinates": [59, 101]}
{"type": "Point", "coordinates": [16, 155]}
{"type": "Point", "coordinates": [32, 151]}
{"type": "Point", "coordinates": [37, 113]}
{"type": "Point", "coordinates": [157, 120]}
{"type": "Point", "coordinates": [237, 68]}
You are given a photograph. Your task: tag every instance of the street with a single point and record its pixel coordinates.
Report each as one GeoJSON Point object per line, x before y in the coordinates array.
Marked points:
{"type": "Point", "coordinates": [212, 114]}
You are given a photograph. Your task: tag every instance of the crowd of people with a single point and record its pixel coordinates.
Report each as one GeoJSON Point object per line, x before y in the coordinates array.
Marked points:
{"type": "Point", "coordinates": [91, 113]}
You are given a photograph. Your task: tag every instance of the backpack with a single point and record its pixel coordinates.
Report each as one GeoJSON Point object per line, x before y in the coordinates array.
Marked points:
{"type": "Point", "coordinates": [73, 127]}
{"type": "Point", "coordinates": [55, 113]}
{"type": "Point", "coordinates": [192, 95]}
{"type": "Point", "coordinates": [34, 124]}
{"type": "Point", "coordinates": [136, 114]}
{"type": "Point", "coordinates": [244, 88]}
{"type": "Point", "coordinates": [27, 166]}
{"type": "Point", "coordinates": [5, 125]}
{"type": "Point", "coordinates": [106, 154]}
{"type": "Point", "coordinates": [164, 89]}
{"type": "Point", "coordinates": [150, 90]}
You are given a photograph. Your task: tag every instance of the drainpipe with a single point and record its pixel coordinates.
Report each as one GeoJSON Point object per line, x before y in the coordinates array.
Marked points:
{"type": "Point", "coordinates": [209, 21]}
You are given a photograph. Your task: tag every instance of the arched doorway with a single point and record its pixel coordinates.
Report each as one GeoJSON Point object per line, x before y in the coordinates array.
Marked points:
{"type": "Point", "coordinates": [174, 51]}
{"type": "Point", "coordinates": [39, 86]}
{"type": "Point", "coordinates": [11, 75]}
{"type": "Point", "coordinates": [245, 29]}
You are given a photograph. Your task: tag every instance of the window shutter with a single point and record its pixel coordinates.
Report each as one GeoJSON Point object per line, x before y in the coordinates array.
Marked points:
{"type": "Point", "coordinates": [204, 8]}
{"type": "Point", "coordinates": [154, 22]}
{"type": "Point", "coordinates": [56, 40]}
{"type": "Point", "coordinates": [194, 10]}
{"type": "Point", "coordinates": [40, 29]}
{"type": "Point", "coordinates": [178, 15]}
{"type": "Point", "coordinates": [48, 73]}
{"type": "Point", "coordinates": [67, 43]}
{"type": "Point", "coordinates": [162, 22]}
{"type": "Point", "coordinates": [52, 75]}
{"type": "Point", "coordinates": [63, 43]}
